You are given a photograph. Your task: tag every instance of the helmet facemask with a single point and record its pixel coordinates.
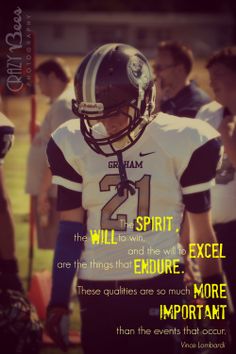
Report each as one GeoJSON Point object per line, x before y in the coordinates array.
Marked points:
{"type": "Point", "coordinates": [94, 131]}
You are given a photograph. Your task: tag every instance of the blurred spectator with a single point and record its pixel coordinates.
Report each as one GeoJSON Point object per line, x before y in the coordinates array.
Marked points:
{"type": "Point", "coordinates": [221, 114]}
{"type": "Point", "coordinates": [20, 329]}
{"type": "Point", "coordinates": [53, 79]}
{"type": "Point", "coordinates": [179, 95]}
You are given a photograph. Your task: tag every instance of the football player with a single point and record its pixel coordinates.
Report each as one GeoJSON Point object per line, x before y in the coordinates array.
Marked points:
{"type": "Point", "coordinates": [20, 329]}
{"type": "Point", "coordinates": [221, 114]}
{"type": "Point", "coordinates": [126, 175]}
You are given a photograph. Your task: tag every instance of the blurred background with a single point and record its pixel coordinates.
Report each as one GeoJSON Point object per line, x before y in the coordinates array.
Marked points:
{"type": "Point", "coordinates": [75, 27]}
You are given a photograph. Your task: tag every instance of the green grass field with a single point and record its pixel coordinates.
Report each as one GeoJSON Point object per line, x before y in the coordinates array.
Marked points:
{"type": "Point", "coordinates": [18, 110]}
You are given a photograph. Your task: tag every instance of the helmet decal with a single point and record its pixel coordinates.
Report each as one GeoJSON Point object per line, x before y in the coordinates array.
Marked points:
{"type": "Point", "coordinates": [138, 72]}
{"type": "Point", "coordinates": [92, 108]}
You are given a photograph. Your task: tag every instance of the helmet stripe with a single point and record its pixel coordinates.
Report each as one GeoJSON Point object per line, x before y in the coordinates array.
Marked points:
{"type": "Point", "coordinates": [91, 71]}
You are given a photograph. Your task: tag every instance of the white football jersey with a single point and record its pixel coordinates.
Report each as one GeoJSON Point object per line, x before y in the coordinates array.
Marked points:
{"type": "Point", "coordinates": [155, 164]}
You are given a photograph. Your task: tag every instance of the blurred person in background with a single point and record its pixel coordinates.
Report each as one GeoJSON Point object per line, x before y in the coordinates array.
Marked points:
{"type": "Point", "coordinates": [20, 329]}
{"type": "Point", "coordinates": [221, 114]}
{"type": "Point", "coordinates": [53, 80]}
{"type": "Point", "coordinates": [178, 95]}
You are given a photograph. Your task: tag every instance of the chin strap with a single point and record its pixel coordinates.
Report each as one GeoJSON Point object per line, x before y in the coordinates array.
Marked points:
{"type": "Point", "coordinates": [124, 182]}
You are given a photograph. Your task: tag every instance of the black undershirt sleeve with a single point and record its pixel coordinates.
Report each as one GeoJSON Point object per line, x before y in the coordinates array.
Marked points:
{"type": "Point", "coordinates": [67, 199]}
{"type": "Point", "coordinates": [201, 169]}
{"type": "Point", "coordinates": [58, 164]}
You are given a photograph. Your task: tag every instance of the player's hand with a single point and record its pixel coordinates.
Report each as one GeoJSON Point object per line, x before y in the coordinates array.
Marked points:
{"type": "Point", "coordinates": [57, 326]}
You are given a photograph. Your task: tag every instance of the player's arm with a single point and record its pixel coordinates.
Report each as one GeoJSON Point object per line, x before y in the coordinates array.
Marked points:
{"type": "Point", "coordinates": [196, 181]}
{"type": "Point", "coordinates": [68, 250]}
{"type": "Point", "coordinates": [196, 196]}
{"type": "Point", "coordinates": [69, 204]}
{"type": "Point", "coordinates": [58, 114]}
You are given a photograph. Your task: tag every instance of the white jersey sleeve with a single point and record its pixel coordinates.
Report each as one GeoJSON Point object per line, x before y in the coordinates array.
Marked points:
{"type": "Point", "coordinates": [211, 113]}
{"type": "Point", "coordinates": [181, 139]}
{"type": "Point", "coordinates": [61, 157]}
